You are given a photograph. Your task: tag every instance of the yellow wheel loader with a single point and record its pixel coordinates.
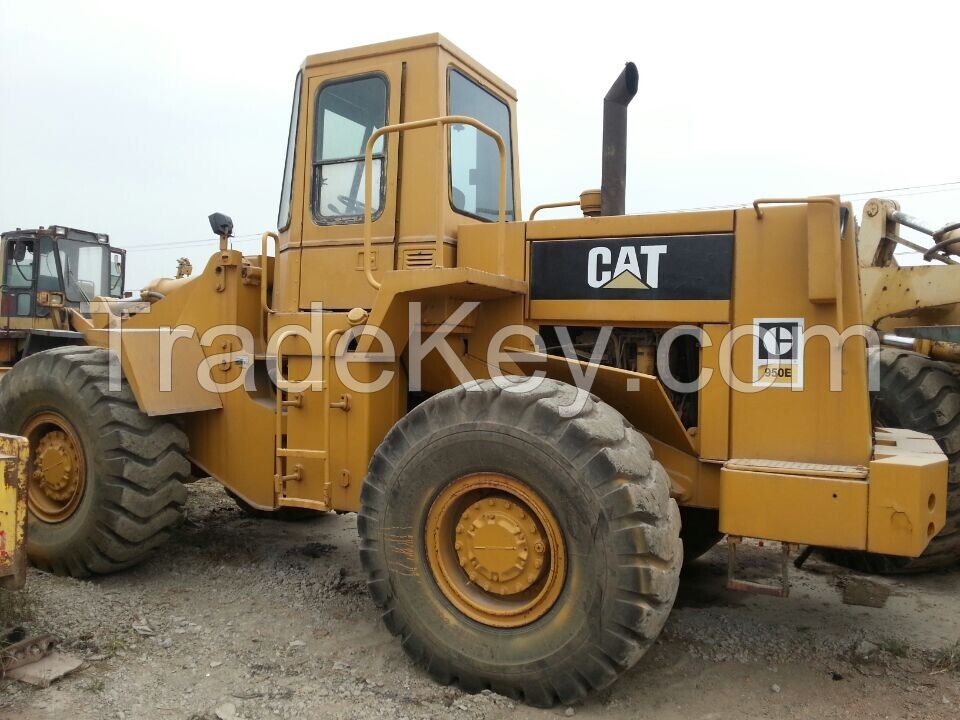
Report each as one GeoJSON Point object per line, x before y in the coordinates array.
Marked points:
{"type": "Point", "coordinates": [529, 417]}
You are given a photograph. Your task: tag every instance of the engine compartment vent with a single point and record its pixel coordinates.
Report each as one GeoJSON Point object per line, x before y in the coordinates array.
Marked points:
{"type": "Point", "coordinates": [417, 259]}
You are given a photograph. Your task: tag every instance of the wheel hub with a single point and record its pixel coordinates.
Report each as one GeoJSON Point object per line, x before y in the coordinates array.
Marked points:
{"type": "Point", "coordinates": [494, 542]}
{"type": "Point", "coordinates": [495, 550]}
{"type": "Point", "coordinates": [58, 480]}
{"type": "Point", "coordinates": [56, 466]}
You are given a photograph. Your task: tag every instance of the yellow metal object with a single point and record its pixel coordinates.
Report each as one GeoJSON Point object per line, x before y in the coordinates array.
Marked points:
{"type": "Point", "coordinates": [908, 502]}
{"type": "Point", "coordinates": [59, 475]}
{"type": "Point", "coordinates": [549, 206]}
{"type": "Point", "coordinates": [808, 509]}
{"type": "Point", "coordinates": [14, 452]}
{"type": "Point", "coordinates": [893, 506]}
{"type": "Point", "coordinates": [495, 546]}
{"type": "Point", "coordinates": [589, 203]}
{"type": "Point", "coordinates": [57, 466]}
{"type": "Point", "coordinates": [782, 423]}
{"type": "Point", "coordinates": [894, 295]}
{"type": "Point", "coordinates": [495, 550]}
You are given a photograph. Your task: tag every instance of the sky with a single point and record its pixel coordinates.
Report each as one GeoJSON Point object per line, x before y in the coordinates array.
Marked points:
{"type": "Point", "coordinates": [139, 120]}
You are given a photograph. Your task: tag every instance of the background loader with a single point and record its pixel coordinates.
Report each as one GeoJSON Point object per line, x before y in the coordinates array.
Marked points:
{"type": "Point", "coordinates": [916, 310]}
{"type": "Point", "coordinates": [46, 271]}
{"type": "Point", "coordinates": [516, 410]}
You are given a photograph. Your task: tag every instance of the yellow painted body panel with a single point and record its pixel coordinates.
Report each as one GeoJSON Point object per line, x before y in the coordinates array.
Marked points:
{"type": "Point", "coordinates": [141, 358]}
{"type": "Point", "coordinates": [713, 433]}
{"type": "Point", "coordinates": [824, 511]}
{"type": "Point", "coordinates": [815, 425]}
{"type": "Point", "coordinates": [14, 453]}
{"type": "Point", "coordinates": [894, 506]}
{"type": "Point", "coordinates": [234, 444]}
{"type": "Point", "coordinates": [695, 223]}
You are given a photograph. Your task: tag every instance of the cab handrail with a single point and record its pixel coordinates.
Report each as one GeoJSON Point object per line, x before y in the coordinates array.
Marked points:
{"type": "Point", "coordinates": [438, 123]}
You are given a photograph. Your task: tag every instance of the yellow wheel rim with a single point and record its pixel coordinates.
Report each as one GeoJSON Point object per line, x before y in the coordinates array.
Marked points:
{"type": "Point", "coordinates": [495, 550]}
{"type": "Point", "coordinates": [59, 475]}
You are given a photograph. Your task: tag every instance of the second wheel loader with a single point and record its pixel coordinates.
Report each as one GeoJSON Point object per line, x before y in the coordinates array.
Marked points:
{"type": "Point", "coordinates": [916, 309]}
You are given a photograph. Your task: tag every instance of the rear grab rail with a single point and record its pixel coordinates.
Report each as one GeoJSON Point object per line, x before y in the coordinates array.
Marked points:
{"type": "Point", "coordinates": [438, 123]}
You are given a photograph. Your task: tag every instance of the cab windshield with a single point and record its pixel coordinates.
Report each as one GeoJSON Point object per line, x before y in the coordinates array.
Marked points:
{"type": "Point", "coordinates": [89, 270]}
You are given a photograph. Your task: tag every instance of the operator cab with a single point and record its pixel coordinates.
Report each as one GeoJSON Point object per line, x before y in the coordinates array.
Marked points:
{"type": "Point", "coordinates": [449, 175]}
{"type": "Point", "coordinates": [74, 266]}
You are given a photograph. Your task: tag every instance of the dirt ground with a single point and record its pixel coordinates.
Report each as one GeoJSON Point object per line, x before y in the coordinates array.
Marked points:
{"type": "Point", "coordinates": [252, 619]}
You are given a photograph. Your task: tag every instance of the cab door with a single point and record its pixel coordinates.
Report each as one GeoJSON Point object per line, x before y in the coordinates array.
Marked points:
{"type": "Point", "coordinates": [343, 110]}
{"type": "Point", "coordinates": [19, 281]}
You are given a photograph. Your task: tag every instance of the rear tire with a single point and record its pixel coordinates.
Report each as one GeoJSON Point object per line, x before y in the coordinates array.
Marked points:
{"type": "Point", "coordinates": [608, 499]}
{"type": "Point", "coordinates": [132, 466]}
{"type": "Point", "coordinates": [917, 393]}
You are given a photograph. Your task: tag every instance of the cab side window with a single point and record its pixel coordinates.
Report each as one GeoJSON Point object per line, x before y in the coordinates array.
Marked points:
{"type": "Point", "coordinates": [19, 267]}
{"type": "Point", "coordinates": [18, 275]}
{"type": "Point", "coordinates": [474, 158]}
{"type": "Point", "coordinates": [117, 262]}
{"type": "Point", "coordinates": [48, 273]}
{"type": "Point", "coordinates": [348, 112]}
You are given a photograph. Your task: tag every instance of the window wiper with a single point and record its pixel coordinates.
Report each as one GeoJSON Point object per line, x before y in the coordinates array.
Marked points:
{"type": "Point", "coordinates": [76, 282]}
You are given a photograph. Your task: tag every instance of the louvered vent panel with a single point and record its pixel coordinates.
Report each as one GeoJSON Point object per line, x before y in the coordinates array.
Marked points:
{"type": "Point", "coordinates": [417, 259]}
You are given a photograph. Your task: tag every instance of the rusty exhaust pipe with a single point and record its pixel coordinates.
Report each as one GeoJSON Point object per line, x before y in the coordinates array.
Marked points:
{"type": "Point", "coordinates": [613, 183]}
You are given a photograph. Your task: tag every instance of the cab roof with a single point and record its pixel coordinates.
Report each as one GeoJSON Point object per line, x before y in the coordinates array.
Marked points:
{"type": "Point", "coordinates": [405, 45]}
{"type": "Point", "coordinates": [57, 231]}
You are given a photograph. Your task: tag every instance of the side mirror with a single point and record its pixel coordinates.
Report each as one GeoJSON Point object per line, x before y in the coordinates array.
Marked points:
{"type": "Point", "coordinates": [221, 225]}
{"type": "Point", "coordinates": [20, 249]}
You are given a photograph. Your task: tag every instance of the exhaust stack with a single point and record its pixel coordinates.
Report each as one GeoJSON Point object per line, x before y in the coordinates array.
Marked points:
{"type": "Point", "coordinates": [613, 184]}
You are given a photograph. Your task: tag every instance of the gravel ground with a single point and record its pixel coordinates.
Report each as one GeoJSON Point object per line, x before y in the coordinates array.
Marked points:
{"type": "Point", "coordinates": [244, 618]}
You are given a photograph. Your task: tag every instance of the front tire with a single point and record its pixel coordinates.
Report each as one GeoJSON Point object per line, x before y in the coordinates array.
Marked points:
{"type": "Point", "coordinates": [106, 485]}
{"type": "Point", "coordinates": [561, 541]}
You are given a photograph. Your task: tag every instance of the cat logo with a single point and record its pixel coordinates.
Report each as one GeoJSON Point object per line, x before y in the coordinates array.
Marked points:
{"type": "Point", "coordinates": [778, 352]}
{"type": "Point", "coordinates": [603, 273]}
{"type": "Point", "coordinates": [651, 268]}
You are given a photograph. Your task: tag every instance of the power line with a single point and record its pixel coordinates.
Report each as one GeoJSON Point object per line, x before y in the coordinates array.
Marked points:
{"type": "Point", "coordinates": [189, 243]}
{"type": "Point", "coordinates": [952, 186]}
{"type": "Point", "coordinates": [906, 191]}
{"type": "Point", "coordinates": [909, 187]}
